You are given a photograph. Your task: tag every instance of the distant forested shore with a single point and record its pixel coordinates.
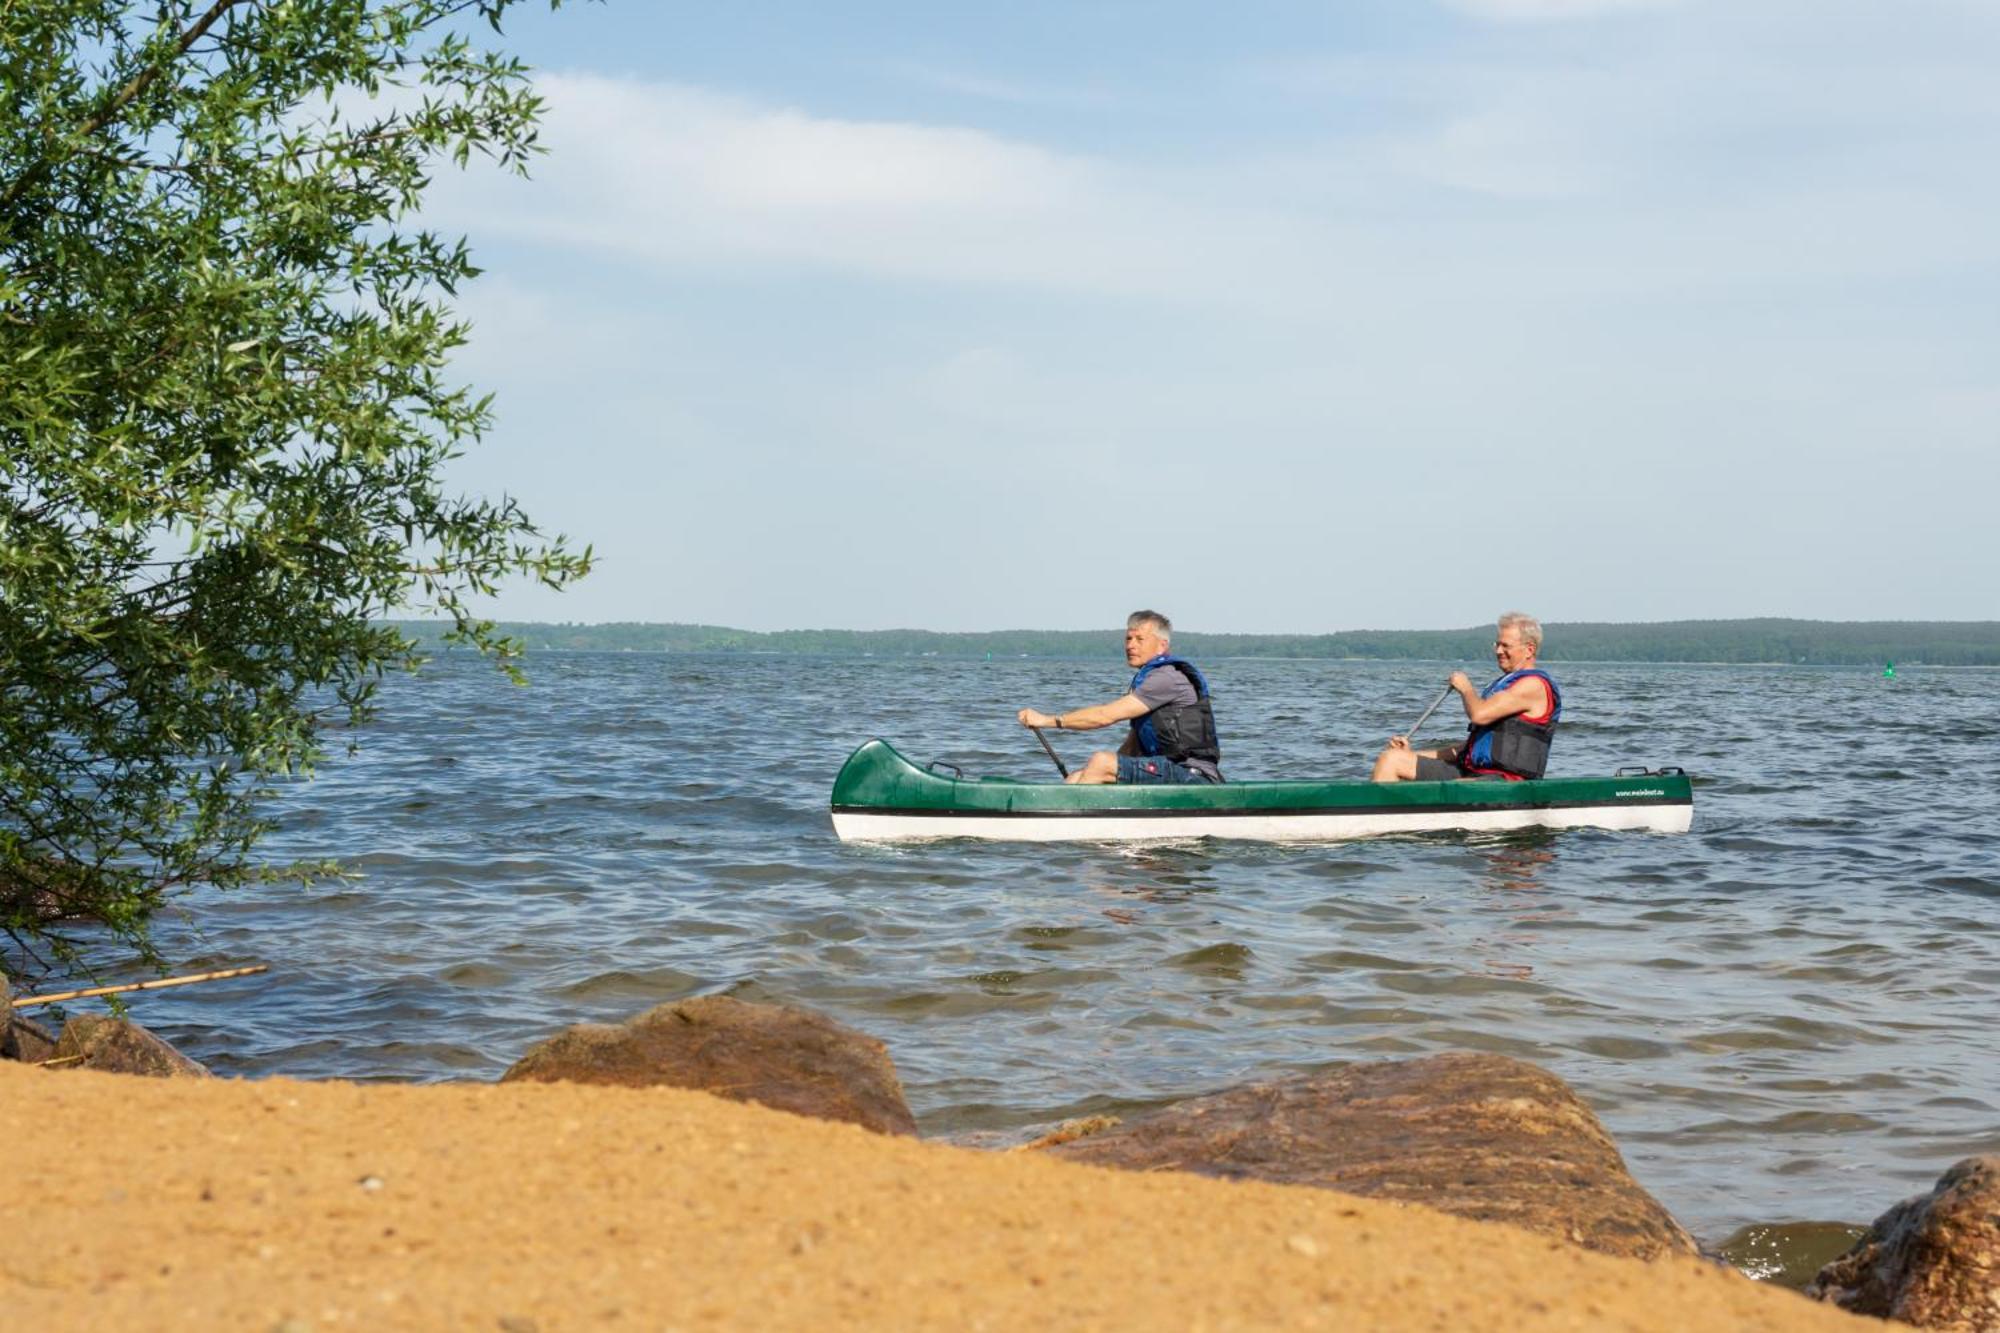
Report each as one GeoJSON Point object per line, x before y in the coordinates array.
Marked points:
{"type": "Point", "coordinates": [1813, 642]}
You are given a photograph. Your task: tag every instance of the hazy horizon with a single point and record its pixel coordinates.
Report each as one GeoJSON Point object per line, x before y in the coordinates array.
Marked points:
{"type": "Point", "coordinates": [1179, 628]}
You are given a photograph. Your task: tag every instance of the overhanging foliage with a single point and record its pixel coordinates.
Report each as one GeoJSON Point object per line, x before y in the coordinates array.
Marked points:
{"type": "Point", "coordinates": [225, 411]}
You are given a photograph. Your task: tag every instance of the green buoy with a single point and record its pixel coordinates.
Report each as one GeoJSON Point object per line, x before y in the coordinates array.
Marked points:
{"type": "Point", "coordinates": [1888, 671]}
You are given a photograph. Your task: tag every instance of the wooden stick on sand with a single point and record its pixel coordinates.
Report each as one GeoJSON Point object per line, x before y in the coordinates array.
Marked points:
{"type": "Point", "coordinates": [156, 984]}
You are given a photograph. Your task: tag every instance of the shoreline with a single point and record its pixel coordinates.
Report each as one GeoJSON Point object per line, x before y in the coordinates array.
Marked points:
{"type": "Point", "coordinates": [452, 650]}
{"type": "Point", "coordinates": [237, 1204]}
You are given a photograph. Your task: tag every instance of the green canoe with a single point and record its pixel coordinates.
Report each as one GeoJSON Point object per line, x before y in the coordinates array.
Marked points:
{"type": "Point", "coordinates": [881, 795]}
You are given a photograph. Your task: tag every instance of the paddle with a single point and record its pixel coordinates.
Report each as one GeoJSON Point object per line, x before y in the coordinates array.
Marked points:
{"type": "Point", "coordinates": [1412, 732]}
{"type": "Point", "coordinates": [1060, 767]}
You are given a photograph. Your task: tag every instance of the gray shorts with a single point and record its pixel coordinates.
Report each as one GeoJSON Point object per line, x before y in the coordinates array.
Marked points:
{"type": "Point", "coordinates": [1437, 770]}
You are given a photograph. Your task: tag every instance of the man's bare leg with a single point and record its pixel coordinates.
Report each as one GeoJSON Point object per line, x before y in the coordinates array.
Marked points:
{"type": "Point", "coordinates": [1102, 767]}
{"type": "Point", "coordinates": [1396, 763]}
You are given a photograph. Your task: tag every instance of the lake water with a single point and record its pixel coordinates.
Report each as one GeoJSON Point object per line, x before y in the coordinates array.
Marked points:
{"type": "Point", "coordinates": [1786, 1014]}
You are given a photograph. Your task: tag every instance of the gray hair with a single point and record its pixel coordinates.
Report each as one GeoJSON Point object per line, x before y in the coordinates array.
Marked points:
{"type": "Point", "coordinates": [1161, 625]}
{"type": "Point", "coordinates": [1529, 628]}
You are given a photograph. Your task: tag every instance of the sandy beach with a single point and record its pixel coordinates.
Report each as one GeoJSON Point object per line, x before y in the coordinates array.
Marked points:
{"type": "Point", "coordinates": [198, 1204]}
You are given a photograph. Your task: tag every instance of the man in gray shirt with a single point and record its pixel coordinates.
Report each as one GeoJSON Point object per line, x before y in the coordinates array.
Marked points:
{"type": "Point", "coordinates": [1173, 728]}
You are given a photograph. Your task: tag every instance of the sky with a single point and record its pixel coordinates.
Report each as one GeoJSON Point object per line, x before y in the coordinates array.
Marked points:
{"type": "Point", "coordinates": [1276, 317]}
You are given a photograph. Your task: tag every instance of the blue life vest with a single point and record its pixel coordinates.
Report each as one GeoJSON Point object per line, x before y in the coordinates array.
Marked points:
{"type": "Point", "coordinates": [1517, 746]}
{"type": "Point", "coordinates": [1179, 732]}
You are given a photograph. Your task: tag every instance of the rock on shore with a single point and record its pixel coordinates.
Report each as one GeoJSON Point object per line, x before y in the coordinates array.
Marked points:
{"type": "Point", "coordinates": [91, 1041]}
{"type": "Point", "coordinates": [1932, 1261]}
{"type": "Point", "coordinates": [1481, 1136]}
{"type": "Point", "coordinates": [784, 1058]}
{"type": "Point", "coordinates": [21, 1038]}
{"type": "Point", "coordinates": [119, 1046]}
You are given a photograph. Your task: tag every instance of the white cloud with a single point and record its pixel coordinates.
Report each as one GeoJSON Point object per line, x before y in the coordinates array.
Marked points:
{"type": "Point", "coordinates": [1694, 161]}
{"type": "Point", "coordinates": [1506, 152]}
{"type": "Point", "coordinates": [690, 180]}
{"type": "Point", "coordinates": [1010, 91]}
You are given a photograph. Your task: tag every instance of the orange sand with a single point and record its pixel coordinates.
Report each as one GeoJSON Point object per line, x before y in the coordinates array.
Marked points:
{"type": "Point", "coordinates": [142, 1203]}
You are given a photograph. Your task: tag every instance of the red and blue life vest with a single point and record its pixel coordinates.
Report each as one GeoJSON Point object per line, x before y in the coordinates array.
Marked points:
{"type": "Point", "coordinates": [1515, 747]}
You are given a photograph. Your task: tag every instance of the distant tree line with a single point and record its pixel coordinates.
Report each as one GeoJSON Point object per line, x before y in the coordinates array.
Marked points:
{"type": "Point", "coordinates": [1816, 642]}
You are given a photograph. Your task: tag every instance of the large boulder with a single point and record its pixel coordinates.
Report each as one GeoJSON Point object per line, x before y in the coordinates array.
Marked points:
{"type": "Point", "coordinates": [1481, 1136]}
{"type": "Point", "coordinates": [1932, 1261]}
{"type": "Point", "coordinates": [788, 1059]}
{"type": "Point", "coordinates": [118, 1046]}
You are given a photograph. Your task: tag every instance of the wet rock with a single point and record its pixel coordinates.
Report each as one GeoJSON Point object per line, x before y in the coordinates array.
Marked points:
{"type": "Point", "coordinates": [788, 1059]}
{"type": "Point", "coordinates": [21, 1038]}
{"type": "Point", "coordinates": [117, 1046]}
{"type": "Point", "coordinates": [1932, 1261]}
{"type": "Point", "coordinates": [1481, 1136]}
{"type": "Point", "coordinates": [27, 1041]}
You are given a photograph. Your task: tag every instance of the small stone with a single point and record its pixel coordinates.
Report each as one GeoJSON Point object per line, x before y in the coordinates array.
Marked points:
{"type": "Point", "coordinates": [1305, 1245]}
{"type": "Point", "coordinates": [518, 1323]}
{"type": "Point", "coordinates": [1069, 1131]}
{"type": "Point", "coordinates": [370, 1183]}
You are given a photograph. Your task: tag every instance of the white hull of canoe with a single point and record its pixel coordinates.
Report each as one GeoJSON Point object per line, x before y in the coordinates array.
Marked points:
{"type": "Point", "coordinates": [855, 826]}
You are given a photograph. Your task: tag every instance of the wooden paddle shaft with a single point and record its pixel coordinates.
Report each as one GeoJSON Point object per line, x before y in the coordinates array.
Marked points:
{"type": "Point", "coordinates": [156, 984]}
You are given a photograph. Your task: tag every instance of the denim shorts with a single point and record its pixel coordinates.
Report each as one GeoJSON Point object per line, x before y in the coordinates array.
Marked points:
{"type": "Point", "coordinates": [1154, 768]}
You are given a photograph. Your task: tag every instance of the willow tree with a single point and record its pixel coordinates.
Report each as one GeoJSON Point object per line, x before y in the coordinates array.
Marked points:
{"type": "Point", "coordinates": [225, 411]}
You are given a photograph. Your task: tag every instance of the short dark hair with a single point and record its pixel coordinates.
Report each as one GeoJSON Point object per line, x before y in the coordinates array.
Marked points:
{"type": "Point", "coordinates": [1153, 618]}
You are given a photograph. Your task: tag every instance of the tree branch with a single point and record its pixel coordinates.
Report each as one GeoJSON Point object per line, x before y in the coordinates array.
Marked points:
{"type": "Point", "coordinates": [125, 96]}
{"type": "Point", "coordinates": [144, 78]}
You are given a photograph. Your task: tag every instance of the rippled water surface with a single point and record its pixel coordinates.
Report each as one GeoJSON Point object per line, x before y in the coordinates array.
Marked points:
{"type": "Point", "coordinates": [1784, 1014]}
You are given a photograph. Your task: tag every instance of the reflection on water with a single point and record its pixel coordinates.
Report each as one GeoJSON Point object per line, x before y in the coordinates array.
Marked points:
{"type": "Point", "coordinates": [1169, 874]}
{"type": "Point", "coordinates": [1783, 1014]}
{"type": "Point", "coordinates": [1789, 1254]}
{"type": "Point", "coordinates": [1514, 869]}
{"type": "Point", "coordinates": [1516, 866]}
